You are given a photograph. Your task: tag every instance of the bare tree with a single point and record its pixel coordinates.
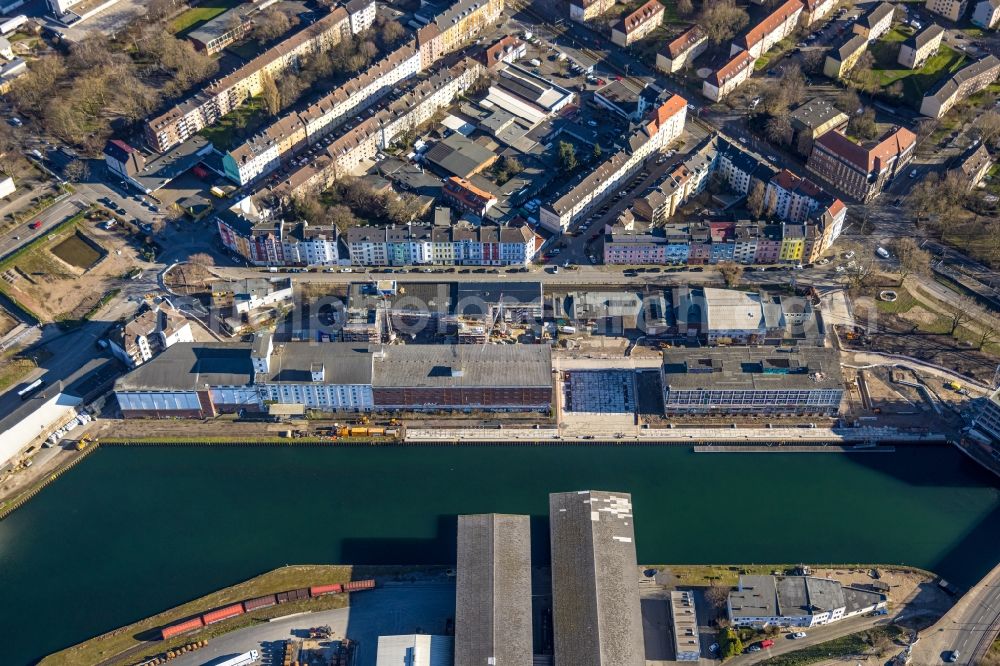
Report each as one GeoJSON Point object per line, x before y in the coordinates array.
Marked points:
{"type": "Point", "coordinates": [76, 170]}
{"type": "Point", "coordinates": [812, 61]}
{"type": "Point", "coordinates": [732, 273]}
{"type": "Point", "coordinates": [848, 101]}
{"type": "Point", "coordinates": [270, 24]}
{"type": "Point", "coordinates": [864, 126]}
{"type": "Point", "coordinates": [959, 312]}
{"type": "Point", "coordinates": [988, 127]}
{"type": "Point", "coordinates": [912, 258]}
{"type": "Point", "coordinates": [685, 7]}
{"type": "Point", "coordinates": [340, 216]}
{"type": "Point", "coordinates": [755, 200]}
{"type": "Point", "coordinates": [779, 130]}
{"type": "Point", "coordinates": [270, 94]}
{"type": "Point", "coordinates": [717, 596]}
{"type": "Point", "coordinates": [987, 333]}
{"type": "Point", "coordinates": [722, 19]}
{"type": "Point", "coordinates": [203, 259]}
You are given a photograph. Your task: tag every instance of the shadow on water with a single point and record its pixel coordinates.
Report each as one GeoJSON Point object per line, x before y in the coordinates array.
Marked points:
{"type": "Point", "coordinates": [141, 530]}
{"type": "Point", "coordinates": [979, 548]}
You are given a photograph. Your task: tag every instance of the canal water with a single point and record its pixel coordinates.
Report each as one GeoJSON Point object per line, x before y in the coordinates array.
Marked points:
{"type": "Point", "coordinates": [133, 531]}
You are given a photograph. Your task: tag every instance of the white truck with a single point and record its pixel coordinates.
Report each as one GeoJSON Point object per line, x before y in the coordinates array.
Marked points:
{"type": "Point", "coordinates": [245, 659]}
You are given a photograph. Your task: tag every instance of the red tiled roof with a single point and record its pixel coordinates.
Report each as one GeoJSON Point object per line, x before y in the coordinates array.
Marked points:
{"type": "Point", "coordinates": [640, 16]}
{"type": "Point", "coordinates": [738, 63]}
{"type": "Point", "coordinates": [769, 24]}
{"type": "Point", "coordinates": [684, 42]}
{"type": "Point", "coordinates": [868, 159]}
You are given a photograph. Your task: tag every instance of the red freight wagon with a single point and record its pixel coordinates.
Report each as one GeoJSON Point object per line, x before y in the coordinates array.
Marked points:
{"type": "Point", "coordinates": [356, 585]}
{"type": "Point", "coordinates": [259, 602]}
{"type": "Point", "coordinates": [180, 628]}
{"type": "Point", "coordinates": [317, 590]}
{"type": "Point", "coordinates": [223, 613]}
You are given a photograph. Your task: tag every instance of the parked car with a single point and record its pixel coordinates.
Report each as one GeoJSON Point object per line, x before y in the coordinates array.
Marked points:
{"type": "Point", "coordinates": [799, 634]}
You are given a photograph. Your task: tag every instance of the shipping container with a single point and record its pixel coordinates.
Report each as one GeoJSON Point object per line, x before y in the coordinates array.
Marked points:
{"type": "Point", "coordinates": [259, 602]}
{"type": "Point", "coordinates": [181, 627]}
{"type": "Point", "coordinates": [317, 590]}
{"type": "Point", "coordinates": [223, 613]}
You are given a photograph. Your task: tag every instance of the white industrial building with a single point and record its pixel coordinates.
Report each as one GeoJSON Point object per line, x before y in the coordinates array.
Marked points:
{"type": "Point", "coordinates": [797, 601]}
{"type": "Point", "coordinates": [684, 620]}
{"type": "Point", "coordinates": [415, 650]}
{"type": "Point", "coordinates": [35, 420]}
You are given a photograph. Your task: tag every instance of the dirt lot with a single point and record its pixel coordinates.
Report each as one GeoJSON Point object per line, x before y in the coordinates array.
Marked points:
{"type": "Point", "coordinates": [914, 327]}
{"type": "Point", "coordinates": [55, 289]}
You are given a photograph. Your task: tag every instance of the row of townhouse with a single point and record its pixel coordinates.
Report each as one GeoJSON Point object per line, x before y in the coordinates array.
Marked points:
{"type": "Point", "coordinates": [461, 244]}
{"type": "Point", "coordinates": [456, 26]}
{"type": "Point", "coordinates": [294, 132]}
{"type": "Point", "coordinates": [959, 86]}
{"type": "Point", "coordinates": [664, 124]}
{"type": "Point", "coordinates": [362, 142]}
{"type": "Point", "coordinates": [222, 96]}
{"type": "Point", "coordinates": [742, 242]}
{"type": "Point", "coordinates": [862, 171]}
{"type": "Point", "coordinates": [279, 243]}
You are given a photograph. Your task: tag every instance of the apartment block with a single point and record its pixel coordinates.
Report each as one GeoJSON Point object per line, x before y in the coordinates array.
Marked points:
{"type": "Point", "coordinates": [587, 10]}
{"type": "Point", "coordinates": [842, 59]}
{"type": "Point", "coordinates": [340, 155]}
{"type": "Point", "coordinates": [953, 10]}
{"type": "Point", "coordinates": [595, 583]}
{"type": "Point", "coordinates": [875, 23]}
{"type": "Point", "coordinates": [294, 132]}
{"type": "Point", "coordinates": [987, 14]}
{"type": "Point", "coordinates": [965, 82]}
{"type": "Point", "coordinates": [752, 380]}
{"type": "Point", "coordinates": [973, 165]}
{"type": "Point", "coordinates": [231, 91]}
{"type": "Point", "coordinates": [729, 77]}
{"type": "Point", "coordinates": [153, 330]}
{"type": "Point", "coordinates": [918, 48]}
{"type": "Point", "coordinates": [279, 243]}
{"type": "Point", "coordinates": [361, 14]}
{"type": "Point", "coordinates": [456, 26]}
{"type": "Point", "coordinates": [779, 24]}
{"type": "Point", "coordinates": [861, 171]}
{"type": "Point", "coordinates": [663, 125]}
{"type": "Point", "coordinates": [679, 53]}
{"type": "Point", "coordinates": [638, 24]}
{"type": "Point", "coordinates": [457, 245]}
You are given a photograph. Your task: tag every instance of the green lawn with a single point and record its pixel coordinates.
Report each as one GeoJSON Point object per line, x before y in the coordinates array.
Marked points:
{"type": "Point", "coordinates": [238, 125]}
{"type": "Point", "coordinates": [915, 82]}
{"type": "Point", "coordinates": [196, 16]}
{"type": "Point", "coordinates": [904, 301]}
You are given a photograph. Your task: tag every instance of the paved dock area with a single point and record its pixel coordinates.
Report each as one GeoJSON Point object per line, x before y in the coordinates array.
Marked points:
{"type": "Point", "coordinates": [396, 608]}
{"type": "Point", "coordinates": [599, 391]}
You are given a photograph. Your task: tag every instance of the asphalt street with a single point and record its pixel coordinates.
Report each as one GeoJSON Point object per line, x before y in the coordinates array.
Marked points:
{"type": "Point", "coordinates": [966, 627]}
